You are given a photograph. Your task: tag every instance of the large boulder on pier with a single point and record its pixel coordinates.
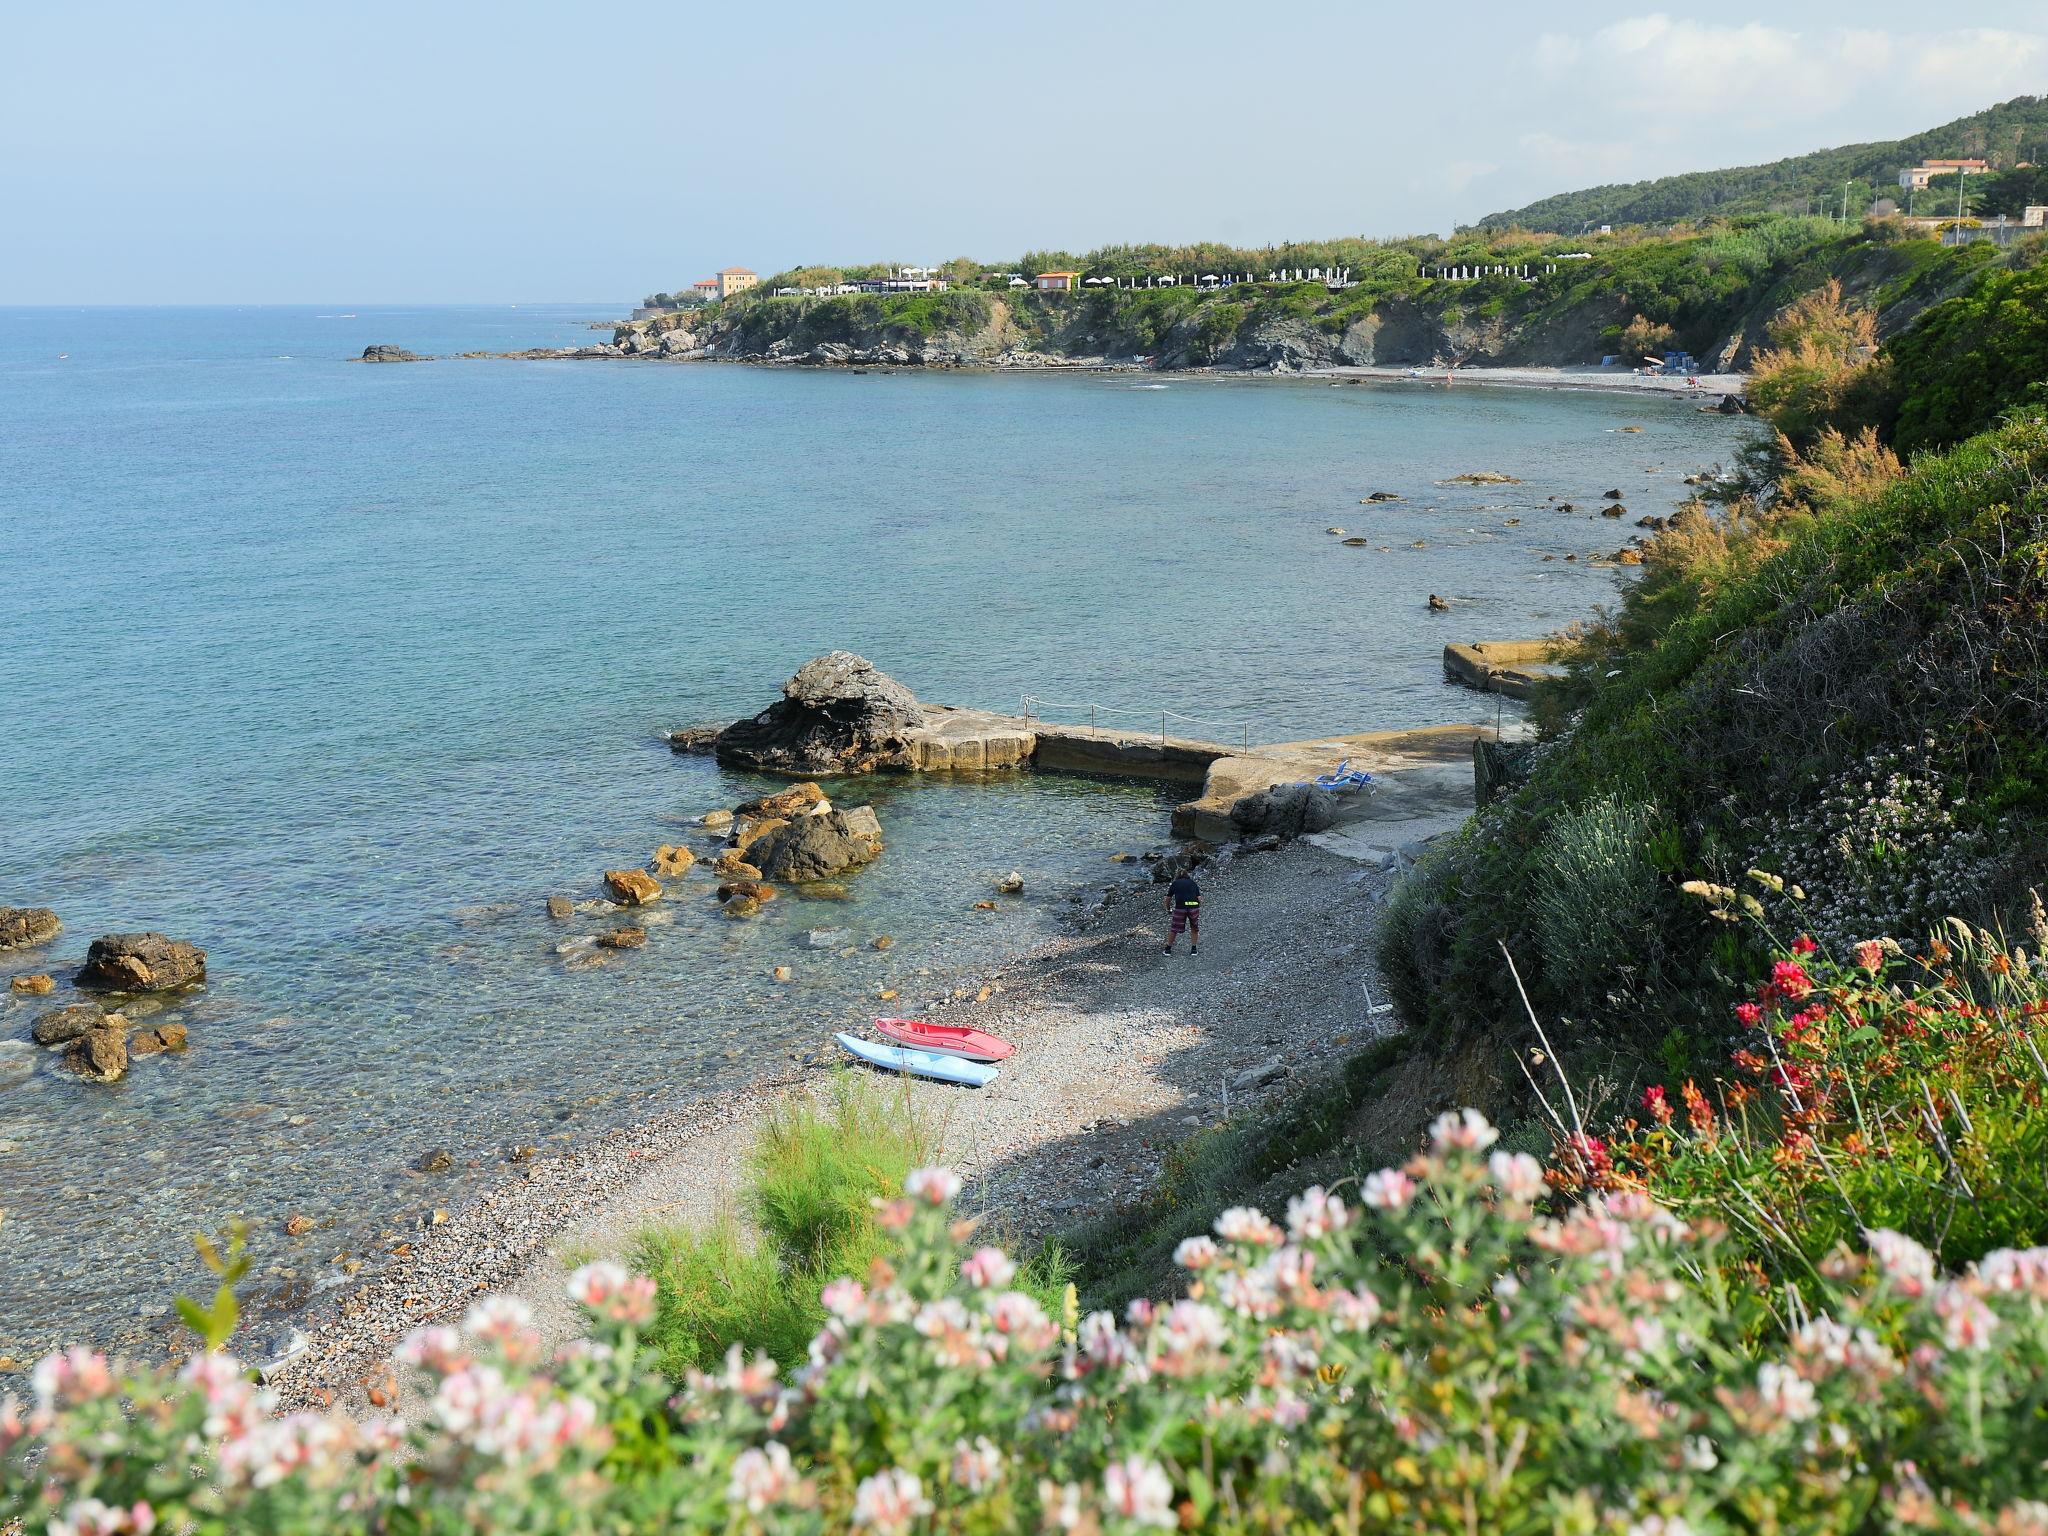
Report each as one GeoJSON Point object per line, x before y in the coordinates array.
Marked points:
{"type": "Point", "coordinates": [141, 962]}
{"type": "Point", "coordinates": [819, 847]}
{"type": "Point", "coordinates": [1288, 810]}
{"type": "Point", "coordinates": [23, 926]}
{"type": "Point", "coordinates": [837, 715]}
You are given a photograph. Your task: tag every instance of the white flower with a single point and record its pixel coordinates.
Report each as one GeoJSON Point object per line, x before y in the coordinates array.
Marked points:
{"type": "Point", "coordinates": [761, 1478]}
{"type": "Point", "coordinates": [1517, 1175]}
{"type": "Point", "coordinates": [1136, 1489]}
{"type": "Point", "coordinates": [890, 1500]}
{"type": "Point", "coordinates": [1388, 1190]}
{"type": "Point", "coordinates": [1464, 1130]}
{"type": "Point", "coordinates": [1195, 1252]}
{"type": "Point", "coordinates": [1012, 1312]}
{"type": "Point", "coordinates": [89, 1517]}
{"type": "Point", "coordinates": [1353, 1311]}
{"type": "Point", "coordinates": [595, 1284]}
{"type": "Point", "coordinates": [1315, 1213]}
{"type": "Point", "coordinates": [498, 1318]}
{"type": "Point", "coordinates": [433, 1347]}
{"type": "Point", "coordinates": [845, 1299]}
{"type": "Point", "coordinates": [1785, 1392]}
{"type": "Point", "coordinates": [1905, 1262]}
{"type": "Point", "coordinates": [988, 1269]}
{"type": "Point", "coordinates": [934, 1186]}
{"type": "Point", "coordinates": [1660, 1525]}
{"type": "Point", "coordinates": [1246, 1224]}
{"type": "Point", "coordinates": [977, 1467]}
{"type": "Point", "coordinates": [2015, 1269]}
{"type": "Point", "coordinates": [1700, 1455]}
{"type": "Point", "coordinates": [1966, 1322]}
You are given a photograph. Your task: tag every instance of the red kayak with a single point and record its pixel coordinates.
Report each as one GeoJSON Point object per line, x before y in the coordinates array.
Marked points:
{"type": "Point", "coordinates": [951, 1039]}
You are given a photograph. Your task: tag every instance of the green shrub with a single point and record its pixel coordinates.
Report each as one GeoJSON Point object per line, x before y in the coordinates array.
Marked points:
{"type": "Point", "coordinates": [1593, 897]}
{"type": "Point", "coordinates": [818, 1163]}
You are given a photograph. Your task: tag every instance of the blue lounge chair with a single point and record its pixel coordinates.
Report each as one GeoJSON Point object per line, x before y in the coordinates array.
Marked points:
{"type": "Point", "coordinates": [1346, 777]}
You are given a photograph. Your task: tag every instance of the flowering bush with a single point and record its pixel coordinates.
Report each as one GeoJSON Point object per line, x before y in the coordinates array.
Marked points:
{"type": "Point", "coordinates": [1876, 1091]}
{"type": "Point", "coordinates": [1433, 1353]}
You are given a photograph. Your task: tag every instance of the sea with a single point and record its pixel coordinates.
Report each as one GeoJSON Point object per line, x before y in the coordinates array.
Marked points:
{"type": "Point", "coordinates": [341, 670]}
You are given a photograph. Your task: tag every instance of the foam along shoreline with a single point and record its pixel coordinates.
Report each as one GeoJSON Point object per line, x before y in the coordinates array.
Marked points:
{"type": "Point", "coordinates": [1122, 1051]}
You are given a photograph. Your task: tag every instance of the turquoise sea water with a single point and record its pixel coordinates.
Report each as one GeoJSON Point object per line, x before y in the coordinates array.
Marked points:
{"type": "Point", "coordinates": [340, 670]}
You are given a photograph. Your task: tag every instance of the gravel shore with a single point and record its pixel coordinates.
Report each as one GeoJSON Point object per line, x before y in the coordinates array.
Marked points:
{"type": "Point", "coordinates": [1122, 1050]}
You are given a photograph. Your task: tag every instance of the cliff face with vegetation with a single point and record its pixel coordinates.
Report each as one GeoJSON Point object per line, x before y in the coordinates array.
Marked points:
{"type": "Point", "coordinates": [1709, 292]}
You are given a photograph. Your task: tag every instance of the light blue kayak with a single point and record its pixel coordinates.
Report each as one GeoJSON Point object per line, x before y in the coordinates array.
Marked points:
{"type": "Point", "coordinates": [898, 1058]}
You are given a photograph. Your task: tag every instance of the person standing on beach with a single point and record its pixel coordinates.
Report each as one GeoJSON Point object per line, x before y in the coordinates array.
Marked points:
{"type": "Point", "coordinates": [1184, 912]}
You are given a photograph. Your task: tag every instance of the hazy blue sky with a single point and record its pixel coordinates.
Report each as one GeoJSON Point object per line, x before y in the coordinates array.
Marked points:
{"type": "Point", "coordinates": [198, 152]}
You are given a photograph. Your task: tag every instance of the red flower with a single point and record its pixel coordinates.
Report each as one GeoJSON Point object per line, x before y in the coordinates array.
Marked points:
{"type": "Point", "coordinates": [1790, 980]}
{"type": "Point", "coordinates": [1748, 1013]}
{"type": "Point", "coordinates": [1655, 1102]}
{"type": "Point", "coordinates": [1803, 945]}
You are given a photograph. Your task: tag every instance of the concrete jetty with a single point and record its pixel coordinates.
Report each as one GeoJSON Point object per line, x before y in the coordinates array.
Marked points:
{"type": "Point", "coordinates": [1511, 668]}
{"type": "Point", "coordinates": [1422, 779]}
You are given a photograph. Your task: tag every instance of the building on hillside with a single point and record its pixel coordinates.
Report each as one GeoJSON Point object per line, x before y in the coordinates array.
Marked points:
{"type": "Point", "coordinates": [2035, 216]}
{"type": "Point", "coordinates": [734, 280]}
{"type": "Point", "coordinates": [705, 289]}
{"type": "Point", "coordinates": [1914, 178]}
{"type": "Point", "coordinates": [1058, 282]}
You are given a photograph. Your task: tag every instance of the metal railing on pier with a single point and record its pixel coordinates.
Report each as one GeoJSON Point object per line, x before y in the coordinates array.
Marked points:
{"type": "Point", "coordinates": [1036, 706]}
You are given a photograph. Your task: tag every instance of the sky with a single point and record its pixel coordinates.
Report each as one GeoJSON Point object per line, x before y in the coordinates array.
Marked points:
{"type": "Point", "coordinates": [433, 151]}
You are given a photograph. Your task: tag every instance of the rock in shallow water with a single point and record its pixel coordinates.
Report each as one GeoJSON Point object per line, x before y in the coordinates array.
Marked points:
{"type": "Point", "coordinates": [23, 926]}
{"type": "Point", "coordinates": [838, 714]}
{"type": "Point", "coordinates": [100, 1055]}
{"type": "Point", "coordinates": [632, 887]}
{"type": "Point", "coordinates": [38, 985]}
{"type": "Point", "coordinates": [141, 962]}
{"type": "Point", "coordinates": [818, 847]}
{"type": "Point", "coordinates": [167, 1036]}
{"type": "Point", "coordinates": [61, 1026]}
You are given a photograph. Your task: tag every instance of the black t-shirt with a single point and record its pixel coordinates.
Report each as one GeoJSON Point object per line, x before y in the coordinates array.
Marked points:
{"type": "Point", "coordinates": [1184, 892]}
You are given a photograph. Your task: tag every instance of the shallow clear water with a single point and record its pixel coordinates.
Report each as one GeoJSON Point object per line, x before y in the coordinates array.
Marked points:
{"type": "Point", "coordinates": [340, 670]}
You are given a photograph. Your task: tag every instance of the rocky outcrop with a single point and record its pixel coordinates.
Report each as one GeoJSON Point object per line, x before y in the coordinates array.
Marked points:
{"type": "Point", "coordinates": [157, 1038]}
{"type": "Point", "coordinates": [819, 847]}
{"type": "Point", "coordinates": [61, 1026]}
{"type": "Point", "coordinates": [838, 714]}
{"type": "Point", "coordinates": [141, 962]}
{"type": "Point", "coordinates": [672, 859]}
{"type": "Point", "coordinates": [797, 800]}
{"type": "Point", "coordinates": [100, 1055]}
{"type": "Point", "coordinates": [23, 926]}
{"type": "Point", "coordinates": [1288, 810]}
{"type": "Point", "coordinates": [385, 352]}
{"type": "Point", "coordinates": [632, 887]}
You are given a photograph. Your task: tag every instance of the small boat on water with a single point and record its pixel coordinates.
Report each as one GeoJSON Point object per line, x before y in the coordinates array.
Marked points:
{"type": "Point", "coordinates": [947, 1039]}
{"type": "Point", "coordinates": [939, 1068]}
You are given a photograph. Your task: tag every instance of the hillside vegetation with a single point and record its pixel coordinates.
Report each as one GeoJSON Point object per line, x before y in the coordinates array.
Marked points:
{"type": "Point", "coordinates": [1710, 291]}
{"type": "Point", "coordinates": [2006, 134]}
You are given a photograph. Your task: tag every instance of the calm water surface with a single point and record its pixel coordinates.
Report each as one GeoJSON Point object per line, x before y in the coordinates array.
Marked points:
{"type": "Point", "coordinates": [340, 670]}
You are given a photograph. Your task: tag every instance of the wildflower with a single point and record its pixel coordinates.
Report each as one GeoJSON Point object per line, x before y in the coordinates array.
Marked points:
{"type": "Point", "coordinates": [1748, 1014]}
{"type": "Point", "coordinates": [78, 1374]}
{"type": "Point", "coordinates": [762, 1478]}
{"type": "Point", "coordinates": [1658, 1106]}
{"type": "Point", "coordinates": [1249, 1292]}
{"type": "Point", "coordinates": [1387, 1190]}
{"type": "Point", "coordinates": [1517, 1175]}
{"type": "Point", "coordinates": [1062, 1503]}
{"type": "Point", "coordinates": [1016, 1316]}
{"type": "Point", "coordinates": [890, 1500]}
{"type": "Point", "coordinates": [1190, 1334]}
{"type": "Point", "coordinates": [499, 1319]}
{"type": "Point", "coordinates": [1291, 1269]}
{"type": "Point", "coordinates": [1353, 1311]}
{"type": "Point", "coordinates": [1139, 1491]}
{"type": "Point", "coordinates": [748, 1378]}
{"type": "Point", "coordinates": [594, 1285]}
{"type": "Point", "coordinates": [893, 1215]}
{"type": "Point", "coordinates": [1698, 1112]}
{"type": "Point", "coordinates": [1246, 1224]}
{"type": "Point", "coordinates": [1906, 1264]}
{"type": "Point", "coordinates": [932, 1186]}
{"type": "Point", "coordinates": [89, 1517]}
{"type": "Point", "coordinates": [1700, 1455]}
{"type": "Point", "coordinates": [2021, 1270]}
{"type": "Point", "coordinates": [434, 1347]}
{"type": "Point", "coordinates": [1102, 1341]}
{"type": "Point", "coordinates": [1660, 1525]}
{"type": "Point", "coordinates": [1464, 1130]}
{"type": "Point", "coordinates": [977, 1467]}
{"type": "Point", "coordinates": [1315, 1213]}
{"type": "Point", "coordinates": [1870, 955]}
{"type": "Point", "coordinates": [1195, 1253]}
{"type": "Point", "coordinates": [988, 1269]}
{"type": "Point", "coordinates": [1966, 1322]}
{"type": "Point", "coordinates": [845, 1299]}
{"type": "Point", "coordinates": [1804, 945]}
{"type": "Point", "coordinates": [1789, 978]}
{"type": "Point", "coordinates": [1785, 1393]}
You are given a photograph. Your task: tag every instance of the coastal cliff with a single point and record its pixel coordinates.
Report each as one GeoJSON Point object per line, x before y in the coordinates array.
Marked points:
{"type": "Point", "coordinates": [1412, 304]}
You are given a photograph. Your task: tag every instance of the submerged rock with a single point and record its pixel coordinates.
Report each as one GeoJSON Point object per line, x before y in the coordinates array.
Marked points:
{"type": "Point", "coordinates": [141, 962]}
{"type": "Point", "coordinates": [39, 985]}
{"type": "Point", "coordinates": [838, 714]}
{"type": "Point", "coordinates": [23, 926]}
{"type": "Point", "coordinates": [797, 800]}
{"type": "Point", "coordinates": [167, 1036]}
{"type": "Point", "coordinates": [561, 908]}
{"type": "Point", "coordinates": [622, 938]}
{"type": "Point", "coordinates": [754, 889]}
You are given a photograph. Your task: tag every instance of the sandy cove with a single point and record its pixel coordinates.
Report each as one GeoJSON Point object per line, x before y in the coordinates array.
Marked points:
{"type": "Point", "coordinates": [1122, 1051]}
